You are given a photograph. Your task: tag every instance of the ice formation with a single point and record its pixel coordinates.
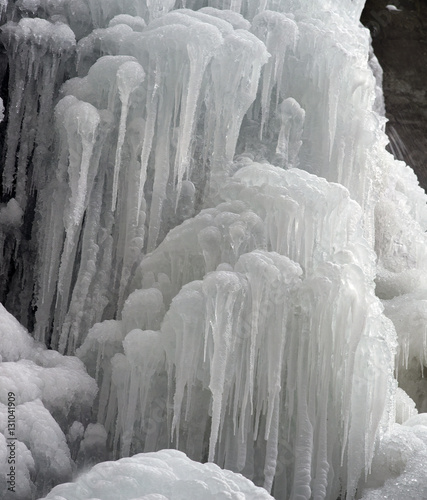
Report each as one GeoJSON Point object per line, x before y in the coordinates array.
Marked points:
{"type": "Point", "coordinates": [41, 393]}
{"type": "Point", "coordinates": [198, 203]}
{"type": "Point", "coordinates": [165, 475]}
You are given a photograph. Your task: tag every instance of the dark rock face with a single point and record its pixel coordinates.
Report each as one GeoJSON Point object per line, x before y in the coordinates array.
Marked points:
{"type": "Point", "coordinates": [400, 44]}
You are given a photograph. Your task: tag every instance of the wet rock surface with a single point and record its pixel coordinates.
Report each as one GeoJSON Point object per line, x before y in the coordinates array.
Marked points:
{"type": "Point", "coordinates": [399, 34]}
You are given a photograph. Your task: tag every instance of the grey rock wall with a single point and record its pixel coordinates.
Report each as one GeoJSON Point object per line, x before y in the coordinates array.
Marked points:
{"type": "Point", "coordinates": [400, 44]}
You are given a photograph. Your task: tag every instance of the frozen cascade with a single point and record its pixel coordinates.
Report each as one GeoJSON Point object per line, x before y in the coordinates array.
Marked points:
{"type": "Point", "coordinates": [156, 116]}
{"type": "Point", "coordinates": [196, 201]}
{"type": "Point", "coordinates": [257, 313]}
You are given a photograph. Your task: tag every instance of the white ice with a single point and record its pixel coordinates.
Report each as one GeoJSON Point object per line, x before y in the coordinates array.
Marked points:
{"type": "Point", "coordinates": [48, 390]}
{"type": "Point", "coordinates": [228, 304]}
{"type": "Point", "coordinates": [167, 474]}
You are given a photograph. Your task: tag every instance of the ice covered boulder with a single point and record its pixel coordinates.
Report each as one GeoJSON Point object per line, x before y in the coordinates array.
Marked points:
{"type": "Point", "coordinates": [41, 394]}
{"type": "Point", "coordinates": [166, 474]}
{"type": "Point", "coordinates": [398, 468]}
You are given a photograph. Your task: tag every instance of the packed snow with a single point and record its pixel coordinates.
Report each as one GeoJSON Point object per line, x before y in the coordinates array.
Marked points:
{"type": "Point", "coordinates": [199, 219]}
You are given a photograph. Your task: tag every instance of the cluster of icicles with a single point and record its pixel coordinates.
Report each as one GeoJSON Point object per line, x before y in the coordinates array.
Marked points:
{"type": "Point", "coordinates": [207, 209]}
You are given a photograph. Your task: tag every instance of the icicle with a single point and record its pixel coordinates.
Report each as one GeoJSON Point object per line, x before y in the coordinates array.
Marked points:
{"type": "Point", "coordinates": [241, 85]}
{"type": "Point", "coordinates": [81, 122]}
{"type": "Point", "coordinates": [289, 141]}
{"type": "Point", "coordinates": [204, 41]}
{"type": "Point", "coordinates": [280, 34]}
{"type": "Point", "coordinates": [129, 76]}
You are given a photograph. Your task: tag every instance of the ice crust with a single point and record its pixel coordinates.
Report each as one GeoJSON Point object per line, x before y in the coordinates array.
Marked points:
{"type": "Point", "coordinates": [197, 201]}
{"type": "Point", "coordinates": [49, 390]}
{"type": "Point", "coordinates": [398, 468]}
{"type": "Point", "coordinates": [167, 474]}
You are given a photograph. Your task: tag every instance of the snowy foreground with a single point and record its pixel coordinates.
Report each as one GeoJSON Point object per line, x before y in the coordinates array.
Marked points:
{"type": "Point", "coordinates": [212, 252]}
{"type": "Point", "coordinates": [163, 475]}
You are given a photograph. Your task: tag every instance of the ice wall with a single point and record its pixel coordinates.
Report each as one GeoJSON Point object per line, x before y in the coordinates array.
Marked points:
{"type": "Point", "coordinates": [197, 200]}
{"type": "Point", "coordinates": [259, 339]}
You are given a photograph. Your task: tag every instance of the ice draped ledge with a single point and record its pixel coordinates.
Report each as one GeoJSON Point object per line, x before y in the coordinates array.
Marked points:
{"type": "Point", "coordinates": [250, 346]}
{"type": "Point", "coordinates": [197, 203]}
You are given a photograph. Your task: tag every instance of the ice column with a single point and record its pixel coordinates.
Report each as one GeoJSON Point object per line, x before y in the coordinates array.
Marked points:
{"type": "Point", "coordinates": [280, 34]}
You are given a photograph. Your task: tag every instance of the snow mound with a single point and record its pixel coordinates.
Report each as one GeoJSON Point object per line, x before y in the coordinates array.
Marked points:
{"type": "Point", "coordinates": [166, 474]}
{"type": "Point", "coordinates": [41, 393]}
{"type": "Point", "coordinates": [398, 467]}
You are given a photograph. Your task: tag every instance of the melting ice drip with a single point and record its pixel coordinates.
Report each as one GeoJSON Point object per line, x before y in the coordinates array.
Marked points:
{"type": "Point", "coordinates": [205, 211]}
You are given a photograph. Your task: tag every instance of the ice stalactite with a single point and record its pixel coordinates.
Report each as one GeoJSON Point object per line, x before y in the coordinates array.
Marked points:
{"type": "Point", "coordinates": [206, 42]}
{"type": "Point", "coordinates": [229, 111]}
{"type": "Point", "coordinates": [80, 180]}
{"type": "Point", "coordinates": [78, 167]}
{"type": "Point", "coordinates": [289, 140]}
{"type": "Point", "coordinates": [280, 34]}
{"type": "Point", "coordinates": [81, 121]}
{"type": "Point", "coordinates": [332, 107]}
{"type": "Point", "coordinates": [162, 124]}
{"type": "Point", "coordinates": [129, 76]}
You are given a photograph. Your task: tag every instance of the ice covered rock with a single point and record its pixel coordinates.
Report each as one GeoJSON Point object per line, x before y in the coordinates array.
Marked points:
{"type": "Point", "coordinates": [40, 392]}
{"type": "Point", "coordinates": [135, 22]}
{"type": "Point", "coordinates": [232, 17]}
{"type": "Point", "coordinates": [398, 469]}
{"type": "Point", "coordinates": [157, 476]}
{"type": "Point", "coordinates": [38, 52]}
{"type": "Point", "coordinates": [92, 447]}
{"type": "Point", "coordinates": [405, 406]}
{"type": "Point", "coordinates": [33, 85]}
{"type": "Point", "coordinates": [15, 341]}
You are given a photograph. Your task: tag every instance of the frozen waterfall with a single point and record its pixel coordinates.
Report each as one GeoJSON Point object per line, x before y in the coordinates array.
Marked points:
{"type": "Point", "coordinates": [198, 213]}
